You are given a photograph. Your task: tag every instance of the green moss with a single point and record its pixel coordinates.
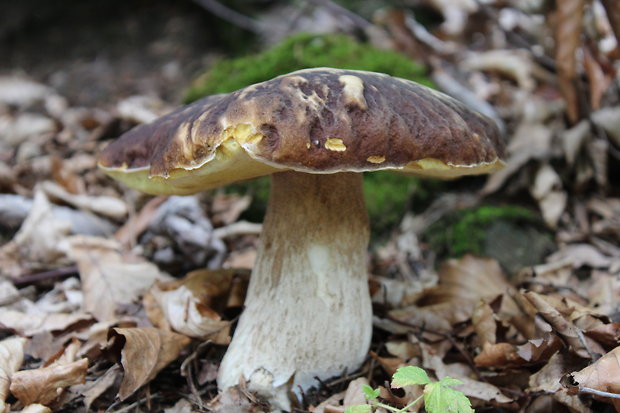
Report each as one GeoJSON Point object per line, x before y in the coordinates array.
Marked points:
{"type": "Point", "coordinates": [465, 231]}
{"type": "Point", "coordinates": [299, 52]}
{"type": "Point", "coordinates": [386, 193]}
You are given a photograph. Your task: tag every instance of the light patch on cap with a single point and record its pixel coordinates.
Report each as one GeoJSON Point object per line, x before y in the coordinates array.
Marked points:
{"type": "Point", "coordinates": [437, 169]}
{"type": "Point", "coordinates": [186, 144]}
{"type": "Point", "coordinates": [244, 133]}
{"type": "Point", "coordinates": [335, 144]}
{"type": "Point", "coordinates": [376, 159]}
{"type": "Point", "coordinates": [353, 91]}
{"type": "Point", "coordinates": [428, 163]}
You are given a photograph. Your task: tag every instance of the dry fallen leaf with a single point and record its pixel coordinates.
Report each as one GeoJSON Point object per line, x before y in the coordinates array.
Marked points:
{"type": "Point", "coordinates": [602, 375]}
{"type": "Point", "coordinates": [29, 324]}
{"type": "Point", "coordinates": [45, 384]}
{"type": "Point", "coordinates": [145, 351]}
{"type": "Point", "coordinates": [102, 205]}
{"type": "Point", "coordinates": [110, 280]}
{"type": "Point", "coordinates": [567, 330]}
{"type": "Point", "coordinates": [11, 358]}
{"type": "Point", "coordinates": [40, 237]}
{"type": "Point", "coordinates": [547, 380]}
{"type": "Point", "coordinates": [568, 24]}
{"type": "Point", "coordinates": [188, 305]}
{"type": "Point", "coordinates": [91, 390]}
{"type": "Point", "coordinates": [470, 279]}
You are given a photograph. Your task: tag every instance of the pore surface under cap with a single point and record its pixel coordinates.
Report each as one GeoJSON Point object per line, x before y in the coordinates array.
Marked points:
{"type": "Point", "coordinates": [316, 121]}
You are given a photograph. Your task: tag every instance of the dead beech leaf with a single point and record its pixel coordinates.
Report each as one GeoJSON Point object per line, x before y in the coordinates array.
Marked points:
{"type": "Point", "coordinates": [470, 279]}
{"type": "Point", "coordinates": [11, 358]}
{"type": "Point", "coordinates": [30, 324]}
{"type": "Point", "coordinates": [110, 280]}
{"type": "Point", "coordinates": [484, 323]}
{"type": "Point", "coordinates": [516, 64]}
{"type": "Point", "coordinates": [45, 384]}
{"type": "Point", "coordinates": [470, 387]}
{"type": "Point", "coordinates": [93, 389]}
{"type": "Point", "coordinates": [569, 21]}
{"type": "Point", "coordinates": [102, 205]}
{"type": "Point", "coordinates": [547, 380]}
{"type": "Point", "coordinates": [40, 236]}
{"type": "Point", "coordinates": [602, 375]}
{"type": "Point", "coordinates": [508, 355]}
{"type": "Point", "coordinates": [567, 330]}
{"type": "Point", "coordinates": [547, 190]}
{"type": "Point", "coordinates": [498, 355]}
{"type": "Point", "coordinates": [189, 305]}
{"type": "Point", "coordinates": [145, 351]}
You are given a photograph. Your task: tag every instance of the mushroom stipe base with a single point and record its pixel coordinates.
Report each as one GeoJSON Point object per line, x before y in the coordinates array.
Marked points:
{"type": "Point", "coordinates": [307, 312]}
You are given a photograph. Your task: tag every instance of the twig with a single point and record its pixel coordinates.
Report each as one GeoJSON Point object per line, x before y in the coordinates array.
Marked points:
{"type": "Point", "coordinates": [132, 405]}
{"type": "Point", "coordinates": [356, 19]}
{"type": "Point", "coordinates": [186, 371]}
{"type": "Point", "coordinates": [599, 392]}
{"type": "Point", "coordinates": [46, 275]}
{"type": "Point", "coordinates": [230, 15]}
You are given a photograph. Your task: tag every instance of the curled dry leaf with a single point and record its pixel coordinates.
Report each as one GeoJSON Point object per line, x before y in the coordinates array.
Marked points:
{"type": "Point", "coordinates": [39, 238]}
{"type": "Point", "coordinates": [45, 384]}
{"type": "Point", "coordinates": [602, 375]}
{"type": "Point", "coordinates": [110, 280]}
{"type": "Point", "coordinates": [189, 305]}
{"type": "Point", "coordinates": [30, 324]}
{"type": "Point", "coordinates": [516, 64]}
{"type": "Point", "coordinates": [145, 352]}
{"type": "Point", "coordinates": [484, 323]}
{"type": "Point", "coordinates": [567, 330]}
{"type": "Point", "coordinates": [101, 205]}
{"type": "Point", "coordinates": [93, 389]}
{"type": "Point", "coordinates": [547, 380]}
{"type": "Point", "coordinates": [502, 355]}
{"type": "Point", "coordinates": [568, 24]}
{"type": "Point", "coordinates": [11, 358]}
{"type": "Point", "coordinates": [547, 190]}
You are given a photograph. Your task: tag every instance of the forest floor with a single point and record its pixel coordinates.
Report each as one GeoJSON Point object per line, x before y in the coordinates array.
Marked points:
{"type": "Point", "coordinates": [509, 283]}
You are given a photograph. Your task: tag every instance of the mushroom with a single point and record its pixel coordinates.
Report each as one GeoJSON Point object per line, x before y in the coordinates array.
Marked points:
{"type": "Point", "coordinates": [307, 313]}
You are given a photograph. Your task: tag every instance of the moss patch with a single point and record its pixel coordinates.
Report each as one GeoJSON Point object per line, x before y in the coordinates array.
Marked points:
{"type": "Point", "coordinates": [386, 193]}
{"type": "Point", "coordinates": [303, 51]}
{"type": "Point", "coordinates": [513, 235]}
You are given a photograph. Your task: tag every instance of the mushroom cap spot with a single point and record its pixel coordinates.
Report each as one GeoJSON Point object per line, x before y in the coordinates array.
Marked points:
{"type": "Point", "coordinates": [335, 144]}
{"type": "Point", "coordinates": [289, 123]}
{"type": "Point", "coordinates": [353, 91]}
{"type": "Point", "coordinates": [376, 159]}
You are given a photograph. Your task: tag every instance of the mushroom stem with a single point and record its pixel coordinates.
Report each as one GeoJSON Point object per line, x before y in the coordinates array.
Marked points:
{"type": "Point", "coordinates": [307, 312]}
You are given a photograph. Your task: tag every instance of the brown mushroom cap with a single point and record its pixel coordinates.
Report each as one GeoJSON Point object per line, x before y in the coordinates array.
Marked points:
{"type": "Point", "coordinates": [314, 120]}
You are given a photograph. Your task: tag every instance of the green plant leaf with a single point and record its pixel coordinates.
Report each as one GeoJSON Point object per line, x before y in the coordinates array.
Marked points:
{"type": "Point", "coordinates": [370, 393]}
{"type": "Point", "coordinates": [441, 399]}
{"type": "Point", "coordinates": [409, 375]}
{"type": "Point", "coordinates": [449, 381]}
{"type": "Point", "coordinates": [360, 408]}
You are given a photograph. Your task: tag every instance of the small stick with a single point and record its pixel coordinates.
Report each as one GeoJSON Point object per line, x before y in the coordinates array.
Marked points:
{"type": "Point", "coordinates": [45, 275]}
{"type": "Point", "coordinates": [230, 15]}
